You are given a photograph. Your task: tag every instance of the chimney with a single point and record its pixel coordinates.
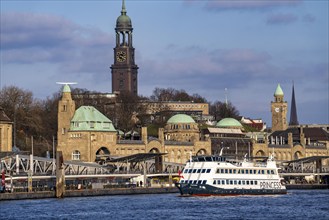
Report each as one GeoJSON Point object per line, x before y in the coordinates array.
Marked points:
{"type": "Point", "coordinates": [144, 135]}
{"type": "Point", "coordinates": [161, 136]}
{"type": "Point", "coordinates": [290, 140]}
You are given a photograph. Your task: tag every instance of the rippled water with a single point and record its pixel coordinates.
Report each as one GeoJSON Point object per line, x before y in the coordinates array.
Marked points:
{"type": "Point", "coordinates": [297, 204]}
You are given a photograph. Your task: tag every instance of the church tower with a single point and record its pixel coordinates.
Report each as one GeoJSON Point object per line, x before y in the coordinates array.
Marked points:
{"type": "Point", "coordinates": [293, 109]}
{"type": "Point", "coordinates": [124, 69]}
{"type": "Point", "coordinates": [279, 111]}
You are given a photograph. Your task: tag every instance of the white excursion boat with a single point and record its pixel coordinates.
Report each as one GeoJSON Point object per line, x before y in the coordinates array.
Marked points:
{"type": "Point", "coordinates": [217, 175]}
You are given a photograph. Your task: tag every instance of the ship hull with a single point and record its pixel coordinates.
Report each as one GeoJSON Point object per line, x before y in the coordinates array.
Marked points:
{"type": "Point", "coordinates": [207, 190]}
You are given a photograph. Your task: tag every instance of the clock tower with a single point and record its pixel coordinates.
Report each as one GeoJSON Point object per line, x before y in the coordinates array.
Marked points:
{"type": "Point", "coordinates": [279, 111]}
{"type": "Point", "coordinates": [124, 69]}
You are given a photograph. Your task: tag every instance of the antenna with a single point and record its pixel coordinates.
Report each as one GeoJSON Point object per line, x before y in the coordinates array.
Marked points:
{"type": "Point", "coordinates": [226, 96]}
{"type": "Point", "coordinates": [66, 83]}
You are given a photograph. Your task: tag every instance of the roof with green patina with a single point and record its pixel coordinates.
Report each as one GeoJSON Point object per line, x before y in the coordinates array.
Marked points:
{"type": "Point", "coordinates": [278, 91]}
{"type": "Point", "coordinates": [66, 88]}
{"type": "Point", "coordinates": [180, 118]}
{"type": "Point", "coordinates": [229, 122]}
{"type": "Point", "coordinates": [88, 118]}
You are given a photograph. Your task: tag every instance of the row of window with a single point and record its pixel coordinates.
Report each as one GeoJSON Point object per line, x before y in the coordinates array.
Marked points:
{"type": "Point", "coordinates": [235, 182]}
{"type": "Point", "coordinates": [232, 171]}
{"type": "Point", "coordinates": [194, 181]}
{"type": "Point", "coordinates": [197, 171]}
{"type": "Point", "coordinates": [245, 171]}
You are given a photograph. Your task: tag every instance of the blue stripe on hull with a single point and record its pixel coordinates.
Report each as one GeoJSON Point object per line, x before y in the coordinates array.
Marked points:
{"type": "Point", "coordinates": [206, 190]}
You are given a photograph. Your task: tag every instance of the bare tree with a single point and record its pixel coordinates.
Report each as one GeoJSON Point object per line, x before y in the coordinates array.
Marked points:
{"type": "Point", "coordinates": [222, 110]}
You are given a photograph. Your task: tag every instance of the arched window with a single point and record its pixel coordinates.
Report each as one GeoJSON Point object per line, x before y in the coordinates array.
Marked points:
{"type": "Point", "coordinates": [76, 155]}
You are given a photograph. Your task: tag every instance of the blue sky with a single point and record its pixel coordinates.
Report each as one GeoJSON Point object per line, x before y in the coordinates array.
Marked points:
{"type": "Point", "coordinates": [202, 47]}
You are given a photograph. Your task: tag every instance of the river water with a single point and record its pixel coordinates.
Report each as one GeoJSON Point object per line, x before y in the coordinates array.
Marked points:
{"type": "Point", "coordinates": [297, 204]}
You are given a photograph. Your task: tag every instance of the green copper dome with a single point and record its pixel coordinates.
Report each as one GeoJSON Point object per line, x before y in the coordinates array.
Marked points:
{"type": "Point", "coordinates": [278, 91]}
{"type": "Point", "coordinates": [66, 88]}
{"type": "Point", "coordinates": [228, 122]}
{"type": "Point", "coordinates": [123, 21]}
{"type": "Point", "coordinates": [180, 118]}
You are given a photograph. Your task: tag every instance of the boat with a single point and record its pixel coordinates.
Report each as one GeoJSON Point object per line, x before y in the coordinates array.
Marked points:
{"type": "Point", "coordinates": [218, 175]}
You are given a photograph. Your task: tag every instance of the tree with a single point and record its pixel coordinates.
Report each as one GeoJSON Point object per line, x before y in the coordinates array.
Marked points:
{"type": "Point", "coordinates": [25, 112]}
{"type": "Point", "coordinates": [222, 110]}
{"type": "Point", "coordinates": [170, 94]}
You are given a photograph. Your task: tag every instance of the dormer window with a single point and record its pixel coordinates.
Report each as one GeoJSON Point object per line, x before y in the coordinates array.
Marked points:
{"type": "Point", "coordinates": [92, 124]}
{"type": "Point", "coordinates": [106, 125]}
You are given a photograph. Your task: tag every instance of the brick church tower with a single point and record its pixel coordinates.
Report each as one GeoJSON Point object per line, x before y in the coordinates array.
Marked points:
{"type": "Point", "coordinates": [124, 69]}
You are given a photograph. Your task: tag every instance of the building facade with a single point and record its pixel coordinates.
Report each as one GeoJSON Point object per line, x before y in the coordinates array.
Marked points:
{"type": "Point", "coordinates": [6, 131]}
{"type": "Point", "coordinates": [87, 135]}
{"type": "Point", "coordinates": [124, 70]}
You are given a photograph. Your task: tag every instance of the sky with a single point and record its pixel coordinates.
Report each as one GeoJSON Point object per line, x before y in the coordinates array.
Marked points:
{"type": "Point", "coordinates": [226, 48]}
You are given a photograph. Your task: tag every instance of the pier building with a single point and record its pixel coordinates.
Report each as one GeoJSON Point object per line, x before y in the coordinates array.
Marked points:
{"type": "Point", "coordinates": [85, 134]}
{"type": "Point", "coordinates": [6, 131]}
{"type": "Point", "coordinates": [293, 141]}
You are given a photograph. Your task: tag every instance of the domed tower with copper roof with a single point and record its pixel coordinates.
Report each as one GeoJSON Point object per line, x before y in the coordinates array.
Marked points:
{"type": "Point", "coordinates": [279, 111]}
{"type": "Point", "coordinates": [182, 127]}
{"type": "Point", "coordinates": [124, 70]}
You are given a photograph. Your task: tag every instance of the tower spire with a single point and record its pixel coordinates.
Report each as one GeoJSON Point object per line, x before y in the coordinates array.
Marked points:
{"type": "Point", "coordinates": [293, 109]}
{"type": "Point", "coordinates": [123, 11]}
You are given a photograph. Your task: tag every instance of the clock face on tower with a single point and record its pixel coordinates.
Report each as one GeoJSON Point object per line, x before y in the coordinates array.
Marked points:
{"type": "Point", "coordinates": [276, 109]}
{"type": "Point", "coordinates": [121, 56]}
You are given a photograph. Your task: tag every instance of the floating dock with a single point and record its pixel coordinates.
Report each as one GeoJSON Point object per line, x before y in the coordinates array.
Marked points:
{"type": "Point", "coordinates": [88, 192]}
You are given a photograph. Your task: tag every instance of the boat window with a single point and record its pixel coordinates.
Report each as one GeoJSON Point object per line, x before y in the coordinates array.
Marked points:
{"type": "Point", "coordinates": [239, 183]}
{"type": "Point", "coordinates": [268, 172]}
{"type": "Point", "coordinates": [208, 158]}
{"type": "Point", "coordinates": [195, 182]}
{"type": "Point", "coordinates": [226, 170]}
{"type": "Point", "coordinates": [190, 171]}
{"type": "Point", "coordinates": [230, 170]}
{"type": "Point", "coordinates": [250, 171]}
{"type": "Point", "coordinates": [255, 171]}
{"type": "Point", "coordinates": [247, 171]}
{"type": "Point", "coordinates": [272, 171]}
{"type": "Point", "coordinates": [186, 181]}
{"type": "Point", "coordinates": [243, 182]}
{"type": "Point", "coordinates": [218, 171]}
{"type": "Point", "coordinates": [223, 182]}
{"type": "Point", "coordinates": [208, 170]}
{"type": "Point", "coordinates": [203, 170]}
{"type": "Point", "coordinates": [190, 181]}
{"type": "Point", "coordinates": [182, 181]}
{"type": "Point", "coordinates": [234, 171]}
{"type": "Point", "coordinates": [199, 181]}
{"type": "Point", "coordinates": [199, 171]}
{"type": "Point", "coordinates": [204, 181]}
{"type": "Point", "coordinates": [247, 182]}
{"type": "Point", "coordinates": [242, 171]}
{"type": "Point", "coordinates": [263, 171]}
{"type": "Point", "coordinates": [251, 182]}
{"type": "Point", "coordinates": [194, 170]}
{"type": "Point", "coordinates": [227, 182]}
{"type": "Point", "coordinates": [235, 182]}
{"type": "Point", "coordinates": [218, 182]}
{"type": "Point", "coordinates": [185, 171]}
{"type": "Point", "coordinates": [239, 171]}
{"type": "Point", "coordinates": [222, 170]}
{"type": "Point", "coordinates": [255, 182]}
{"type": "Point", "coordinates": [214, 182]}
{"type": "Point", "coordinates": [231, 182]}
